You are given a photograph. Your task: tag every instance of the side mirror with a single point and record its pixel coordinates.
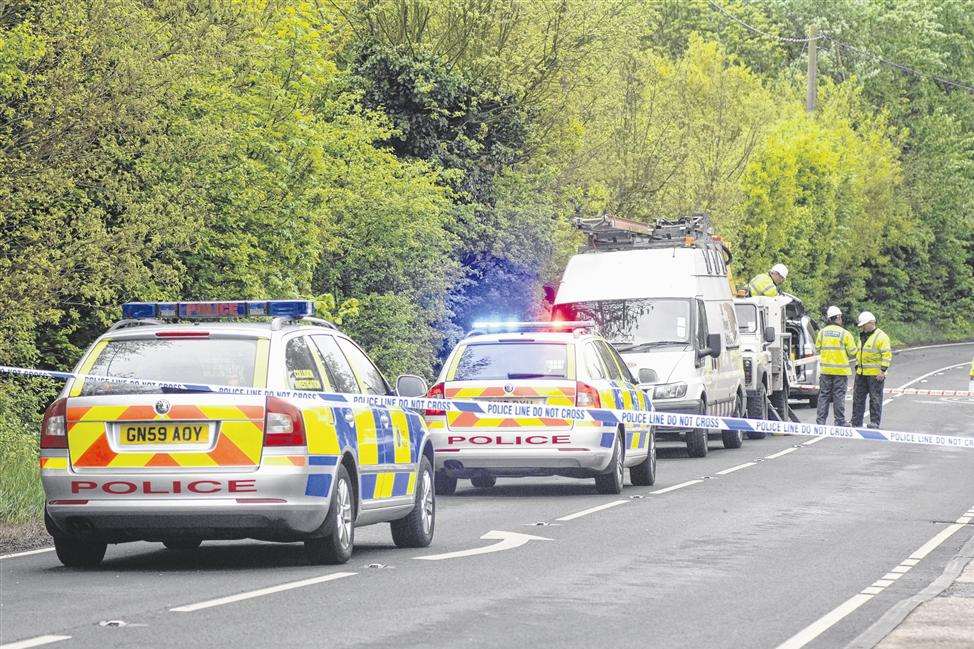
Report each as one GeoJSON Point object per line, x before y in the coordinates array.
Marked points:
{"type": "Point", "coordinates": [714, 345]}
{"type": "Point", "coordinates": [647, 375]}
{"type": "Point", "coordinates": [410, 385]}
{"type": "Point", "coordinates": [769, 334]}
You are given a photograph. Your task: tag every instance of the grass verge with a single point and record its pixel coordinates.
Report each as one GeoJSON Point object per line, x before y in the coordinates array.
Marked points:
{"type": "Point", "coordinates": [911, 334]}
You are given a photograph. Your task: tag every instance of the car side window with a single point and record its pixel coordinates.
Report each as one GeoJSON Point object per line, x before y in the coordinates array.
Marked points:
{"type": "Point", "coordinates": [607, 359]}
{"type": "Point", "coordinates": [339, 372]}
{"type": "Point", "coordinates": [369, 374]}
{"type": "Point", "coordinates": [302, 373]}
{"type": "Point", "coordinates": [702, 330]}
{"type": "Point", "coordinates": [623, 368]}
{"type": "Point", "coordinates": [593, 362]}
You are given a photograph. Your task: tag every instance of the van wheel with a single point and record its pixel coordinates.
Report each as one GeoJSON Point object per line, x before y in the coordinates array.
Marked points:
{"type": "Point", "coordinates": [611, 481]}
{"type": "Point", "coordinates": [697, 445]}
{"type": "Point", "coordinates": [483, 481]}
{"type": "Point", "coordinates": [734, 438]}
{"type": "Point", "coordinates": [779, 400]}
{"type": "Point", "coordinates": [757, 408]}
{"type": "Point", "coordinates": [184, 543]}
{"type": "Point", "coordinates": [444, 484]}
{"type": "Point", "coordinates": [335, 546]}
{"type": "Point", "coordinates": [644, 473]}
{"type": "Point", "coordinates": [416, 529]}
{"type": "Point", "coordinates": [75, 553]}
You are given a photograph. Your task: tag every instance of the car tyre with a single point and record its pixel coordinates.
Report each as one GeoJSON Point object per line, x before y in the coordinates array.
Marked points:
{"type": "Point", "coordinates": [757, 408]}
{"type": "Point", "coordinates": [644, 473]}
{"type": "Point", "coordinates": [444, 484]}
{"type": "Point", "coordinates": [780, 401]}
{"type": "Point", "coordinates": [484, 481]}
{"type": "Point", "coordinates": [416, 529]}
{"type": "Point", "coordinates": [76, 553]}
{"type": "Point", "coordinates": [335, 544]}
{"type": "Point", "coordinates": [182, 543]}
{"type": "Point", "coordinates": [734, 438]}
{"type": "Point", "coordinates": [697, 442]}
{"type": "Point", "coordinates": [611, 481]}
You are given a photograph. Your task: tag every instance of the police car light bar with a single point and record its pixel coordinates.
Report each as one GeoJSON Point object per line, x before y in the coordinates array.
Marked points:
{"type": "Point", "coordinates": [206, 310]}
{"type": "Point", "coordinates": [551, 325]}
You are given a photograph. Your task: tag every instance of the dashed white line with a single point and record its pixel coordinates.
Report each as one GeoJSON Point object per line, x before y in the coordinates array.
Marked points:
{"type": "Point", "coordinates": [676, 486]}
{"type": "Point", "coordinates": [592, 510]}
{"type": "Point", "coordinates": [837, 614]}
{"type": "Point", "coordinates": [35, 642]}
{"type": "Point", "coordinates": [814, 440]}
{"type": "Point", "coordinates": [780, 453]}
{"type": "Point", "coordinates": [189, 608]}
{"type": "Point", "coordinates": [736, 468]}
{"type": "Point", "coordinates": [26, 553]}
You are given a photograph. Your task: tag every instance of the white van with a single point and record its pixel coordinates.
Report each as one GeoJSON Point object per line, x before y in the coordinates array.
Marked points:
{"type": "Point", "coordinates": [662, 297]}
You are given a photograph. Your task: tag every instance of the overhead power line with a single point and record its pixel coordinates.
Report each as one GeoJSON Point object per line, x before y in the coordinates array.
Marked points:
{"type": "Point", "coordinates": [944, 81]}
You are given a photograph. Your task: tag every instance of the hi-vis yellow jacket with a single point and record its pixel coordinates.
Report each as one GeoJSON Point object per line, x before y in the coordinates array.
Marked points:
{"type": "Point", "coordinates": [762, 286]}
{"type": "Point", "coordinates": [875, 353]}
{"type": "Point", "coordinates": [836, 347]}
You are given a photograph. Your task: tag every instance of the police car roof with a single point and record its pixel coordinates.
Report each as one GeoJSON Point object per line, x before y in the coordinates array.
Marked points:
{"type": "Point", "coordinates": [529, 336]}
{"type": "Point", "coordinates": [220, 328]}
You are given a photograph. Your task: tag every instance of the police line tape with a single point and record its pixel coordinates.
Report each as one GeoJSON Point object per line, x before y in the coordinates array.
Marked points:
{"type": "Point", "coordinates": [507, 410]}
{"type": "Point", "coordinates": [923, 392]}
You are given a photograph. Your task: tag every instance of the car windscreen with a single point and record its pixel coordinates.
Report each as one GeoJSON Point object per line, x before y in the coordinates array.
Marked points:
{"type": "Point", "coordinates": [747, 318]}
{"type": "Point", "coordinates": [219, 361]}
{"type": "Point", "coordinates": [501, 361]}
{"type": "Point", "coordinates": [635, 325]}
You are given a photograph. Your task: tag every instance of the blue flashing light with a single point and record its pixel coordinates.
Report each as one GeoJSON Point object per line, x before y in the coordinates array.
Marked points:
{"type": "Point", "coordinates": [555, 325]}
{"type": "Point", "coordinates": [212, 310]}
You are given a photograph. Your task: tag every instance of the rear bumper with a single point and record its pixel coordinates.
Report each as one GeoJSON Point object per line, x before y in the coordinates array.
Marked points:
{"type": "Point", "coordinates": [516, 452]}
{"type": "Point", "coordinates": [271, 503]}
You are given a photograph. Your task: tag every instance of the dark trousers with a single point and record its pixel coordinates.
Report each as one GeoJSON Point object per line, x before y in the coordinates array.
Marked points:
{"type": "Point", "coordinates": [831, 389]}
{"type": "Point", "coordinates": [867, 386]}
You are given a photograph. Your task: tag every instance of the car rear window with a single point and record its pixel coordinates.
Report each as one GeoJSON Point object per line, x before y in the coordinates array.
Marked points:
{"type": "Point", "coordinates": [219, 361]}
{"type": "Point", "coordinates": [514, 360]}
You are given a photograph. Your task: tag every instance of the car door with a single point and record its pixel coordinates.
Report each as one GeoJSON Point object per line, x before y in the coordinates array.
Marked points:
{"type": "Point", "coordinates": [631, 398]}
{"type": "Point", "coordinates": [388, 437]}
{"type": "Point", "coordinates": [707, 366]}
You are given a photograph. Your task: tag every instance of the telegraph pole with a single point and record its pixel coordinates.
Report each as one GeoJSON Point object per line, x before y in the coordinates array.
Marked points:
{"type": "Point", "coordinates": [812, 94]}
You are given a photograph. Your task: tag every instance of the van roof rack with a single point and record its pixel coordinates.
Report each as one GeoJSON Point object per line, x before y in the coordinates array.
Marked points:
{"type": "Point", "coordinates": [609, 233]}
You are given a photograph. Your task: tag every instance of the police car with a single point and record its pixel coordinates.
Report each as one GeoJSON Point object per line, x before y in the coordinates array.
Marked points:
{"type": "Point", "coordinates": [124, 462]}
{"type": "Point", "coordinates": [539, 363]}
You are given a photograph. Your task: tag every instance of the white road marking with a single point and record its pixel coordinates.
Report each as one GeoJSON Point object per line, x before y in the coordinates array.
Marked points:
{"type": "Point", "coordinates": [189, 608]}
{"type": "Point", "coordinates": [780, 453]}
{"type": "Point", "coordinates": [676, 486]}
{"type": "Point", "coordinates": [837, 614]}
{"type": "Point", "coordinates": [921, 378]}
{"type": "Point", "coordinates": [506, 541]}
{"type": "Point", "coordinates": [736, 468]}
{"type": "Point", "coordinates": [814, 440]}
{"type": "Point", "coordinates": [592, 510]}
{"type": "Point", "coordinates": [909, 562]}
{"type": "Point", "coordinates": [892, 576]}
{"type": "Point", "coordinates": [35, 642]}
{"type": "Point", "coordinates": [910, 349]}
{"type": "Point", "coordinates": [26, 553]}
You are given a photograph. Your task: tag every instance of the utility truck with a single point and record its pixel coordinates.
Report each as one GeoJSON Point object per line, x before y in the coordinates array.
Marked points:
{"type": "Point", "coordinates": [661, 294]}
{"type": "Point", "coordinates": [766, 345]}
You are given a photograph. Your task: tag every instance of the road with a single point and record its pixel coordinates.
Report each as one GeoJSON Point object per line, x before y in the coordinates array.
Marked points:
{"type": "Point", "coordinates": [744, 548]}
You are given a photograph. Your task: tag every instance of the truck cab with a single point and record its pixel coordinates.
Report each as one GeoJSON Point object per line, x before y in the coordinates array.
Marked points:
{"type": "Point", "coordinates": [766, 343]}
{"type": "Point", "coordinates": [661, 296]}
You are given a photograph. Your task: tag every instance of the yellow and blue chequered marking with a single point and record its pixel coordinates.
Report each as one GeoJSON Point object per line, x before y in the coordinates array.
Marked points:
{"type": "Point", "coordinates": [387, 484]}
{"type": "Point", "coordinates": [622, 397]}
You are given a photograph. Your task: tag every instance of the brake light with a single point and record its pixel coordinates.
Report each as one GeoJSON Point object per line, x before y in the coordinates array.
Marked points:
{"type": "Point", "coordinates": [182, 334]}
{"type": "Point", "coordinates": [438, 391]}
{"type": "Point", "coordinates": [283, 424]}
{"type": "Point", "coordinates": [54, 429]}
{"type": "Point", "coordinates": [586, 396]}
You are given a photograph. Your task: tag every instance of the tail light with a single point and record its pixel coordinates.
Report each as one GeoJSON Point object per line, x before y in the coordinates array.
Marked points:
{"type": "Point", "coordinates": [438, 391]}
{"type": "Point", "coordinates": [54, 429]}
{"type": "Point", "coordinates": [586, 396]}
{"type": "Point", "coordinates": [283, 425]}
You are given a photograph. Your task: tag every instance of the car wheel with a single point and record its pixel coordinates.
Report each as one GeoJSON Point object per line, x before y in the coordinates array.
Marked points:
{"type": "Point", "coordinates": [757, 408]}
{"type": "Point", "coordinates": [483, 481]}
{"type": "Point", "coordinates": [697, 443]}
{"type": "Point", "coordinates": [780, 401]}
{"type": "Point", "coordinates": [644, 473]}
{"type": "Point", "coordinates": [182, 543]}
{"type": "Point", "coordinates": [335, 544]}
{"type": "Point", "coordinates": [75, 553]}
{"type": "Point", "coordinates": [734, 438]}
{"type": "Point", "coordinates": [416, 529]}
{"type": "Point", "coordinates": [444, 485]}
{"type": "Point", "coordinates": [611, 481]}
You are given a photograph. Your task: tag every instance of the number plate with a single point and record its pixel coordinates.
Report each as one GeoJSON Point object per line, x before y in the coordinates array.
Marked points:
{"type": "Point", "coordinates": [194, 433]}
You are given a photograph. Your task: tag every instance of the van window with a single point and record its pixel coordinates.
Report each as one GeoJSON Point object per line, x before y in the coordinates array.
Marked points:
{"type": "Point", "coordinates": [729, 319]}
{"type": "Point", "coordinates": [747, 318]}
{"type": "Point", "coordinates": [635, 325]}
{"type": "Point", "coordinates": [702, 328]}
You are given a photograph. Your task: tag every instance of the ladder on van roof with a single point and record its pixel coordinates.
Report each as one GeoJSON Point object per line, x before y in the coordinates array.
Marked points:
{"type": "Point", "coordinates": [609, 233]}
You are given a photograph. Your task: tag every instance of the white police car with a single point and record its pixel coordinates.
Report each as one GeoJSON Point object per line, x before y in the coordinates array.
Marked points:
{"type": "Point", "coordinates": [124, 462]}
{"type": "Point", "coordinates": [554, 364]}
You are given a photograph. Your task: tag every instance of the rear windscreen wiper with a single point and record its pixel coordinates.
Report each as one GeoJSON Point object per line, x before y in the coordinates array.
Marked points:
{"type": "Point", "coordinates": [529, 375]}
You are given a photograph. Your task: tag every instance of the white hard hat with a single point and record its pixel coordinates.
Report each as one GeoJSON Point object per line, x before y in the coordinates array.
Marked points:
{"type": "Point", "coordinates": [865, 317]}
{"type": "Point", "coordinates": [781, 269]}
{"type": "Point", "coordinates": [832, 312]}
